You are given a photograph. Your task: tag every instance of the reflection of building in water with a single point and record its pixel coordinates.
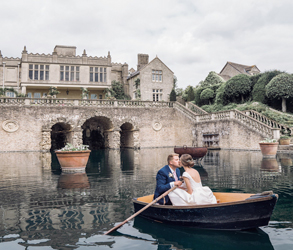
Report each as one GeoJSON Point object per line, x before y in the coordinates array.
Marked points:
{"type": "Point", "coordinates": [211, 158]}
{"type": "Point", "coordinates": [238, 169]}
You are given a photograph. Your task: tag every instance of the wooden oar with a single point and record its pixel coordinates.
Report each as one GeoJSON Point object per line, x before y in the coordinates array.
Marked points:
{"type": "Point", "coordinates": [141, 210]}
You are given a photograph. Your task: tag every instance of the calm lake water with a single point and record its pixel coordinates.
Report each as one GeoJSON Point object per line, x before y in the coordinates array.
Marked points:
{"type": "Point", "coordinates": [43, 208]}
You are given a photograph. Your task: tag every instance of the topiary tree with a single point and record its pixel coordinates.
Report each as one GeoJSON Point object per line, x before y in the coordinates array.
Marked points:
{"type": "Point", "coordinates": [258, 91]}
{"type": "Point", "coordinates": [190, 94]}
{"type": "Point", "coordinates": [207, 94]}
{"type": "Point", "coordinates": [173, 95]}
{"type": "Point", "coordinates": [212, 79]}
{"type": "Point", "coordinates": [280, 87]}
{"type": "Point", "coordinates": [236, 86]}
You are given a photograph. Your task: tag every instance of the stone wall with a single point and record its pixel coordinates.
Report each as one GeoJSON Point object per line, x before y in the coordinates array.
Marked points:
{"type": "Point", "coordinates": [28, 128]}
{"type": "Point", "coordinates": [26, 124]}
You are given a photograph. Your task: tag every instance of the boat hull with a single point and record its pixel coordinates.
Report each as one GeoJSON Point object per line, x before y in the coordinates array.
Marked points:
{"type": "Point", "coordinates": [242, 215]}
{"type": "Point", "coordinates": [195, 152]}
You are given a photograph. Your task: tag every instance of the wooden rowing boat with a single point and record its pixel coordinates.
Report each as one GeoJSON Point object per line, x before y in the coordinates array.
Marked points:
{"type": "Point", "coordinates": [195, 152]}
{"type": "Point", "coordinates": [234, 211]}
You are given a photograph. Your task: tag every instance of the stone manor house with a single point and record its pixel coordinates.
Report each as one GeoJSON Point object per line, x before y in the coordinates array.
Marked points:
{"type": "Point", "coordinates": [34, 74]}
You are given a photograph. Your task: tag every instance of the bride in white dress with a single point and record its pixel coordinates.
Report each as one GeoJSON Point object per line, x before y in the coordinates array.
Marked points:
{"type": "Point", "coordinates": [191, 192]}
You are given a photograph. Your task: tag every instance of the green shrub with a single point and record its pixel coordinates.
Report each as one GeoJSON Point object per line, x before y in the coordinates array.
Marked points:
{"type": "Point", "coordinates": [212, 79]}
{"type": "Point", "coordinates": [280, 87]}
{"type": "Point", "coordinates": [173, 95]}
{"type": "Point", "coordinates": [258, 91]}
{"type": "Point", "coordinates": [238, 86]}
{"type": "Point", "coordinates": [207, 94]}
{"type": "Point", "coordinates": [220, 96]}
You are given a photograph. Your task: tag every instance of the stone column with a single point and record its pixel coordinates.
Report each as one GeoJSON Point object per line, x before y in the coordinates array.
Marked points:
{"type": "Point", "coordinates": [276, 133]}
{"type": "Point", "coordinates": [112, 139]}
{"type": "Point", "coordinates": [77, 137]}
{"type": "Point", "coordinates": [46, 140]}
{"type": "Point", "coordinates": [46, 160]}
{"type": "Point", "coordinates": [136, 143]}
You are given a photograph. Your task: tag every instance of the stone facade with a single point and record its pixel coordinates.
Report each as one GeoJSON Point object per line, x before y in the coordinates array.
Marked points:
{"type": "Point", "coordinates": [34, 74]}
{"type": "Point", "coordinates": [133, 124]}
{"type": "Point", "coordinates": [232, 69]}
{"type": "Point", "coordinates": [35, 125]}
{"type": "Point", "coordinates": [155, 80]}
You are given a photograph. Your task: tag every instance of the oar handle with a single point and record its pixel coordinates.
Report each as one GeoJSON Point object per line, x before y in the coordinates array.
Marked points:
{"type": "Point", "coordinates": [141, 210]}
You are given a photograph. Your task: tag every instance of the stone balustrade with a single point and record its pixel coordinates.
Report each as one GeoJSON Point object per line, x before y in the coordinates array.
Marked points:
{"type": "Point", "coordinates": [284, 129]}
{"type": "Point", "coordinates": [10, 101]}
{"type": "Point", "coordinates": [246, 120]}
{"type": "Point", "coordinates": [195, 108]}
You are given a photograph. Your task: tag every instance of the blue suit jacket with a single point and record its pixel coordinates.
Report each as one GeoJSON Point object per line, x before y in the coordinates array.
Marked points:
{"type": "Point", "coordinates": [163, 184]}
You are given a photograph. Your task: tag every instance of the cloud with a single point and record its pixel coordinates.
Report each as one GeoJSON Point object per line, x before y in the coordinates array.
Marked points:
{"type": "Point", "coordinates": [191, 37]}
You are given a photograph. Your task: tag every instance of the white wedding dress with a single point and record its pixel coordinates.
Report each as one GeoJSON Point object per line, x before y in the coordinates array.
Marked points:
{"type": "Point", "coordinates": [200, 195]}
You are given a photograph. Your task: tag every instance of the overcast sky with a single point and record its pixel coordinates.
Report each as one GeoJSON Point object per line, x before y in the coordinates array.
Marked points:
{"type": "Point", "coordinates": [191, 37]}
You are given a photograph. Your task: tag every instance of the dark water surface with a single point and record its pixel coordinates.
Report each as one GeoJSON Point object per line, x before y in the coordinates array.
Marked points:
{"type": "Point", "coordinates": [42, 208]}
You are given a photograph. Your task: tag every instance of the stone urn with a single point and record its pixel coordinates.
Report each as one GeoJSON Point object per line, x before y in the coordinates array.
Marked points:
{"type": "Point", "coordinates": [73, 161]}
{"type": "Point", "coordinates": [269, 149]}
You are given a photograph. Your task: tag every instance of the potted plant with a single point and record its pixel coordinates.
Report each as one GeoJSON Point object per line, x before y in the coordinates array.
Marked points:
{"type": "Point", "coordinates": [284, 140]}
{"type": "Point", "coordinates": [268, 147]}
{"type": "Point", "coordinates": [73, 159]}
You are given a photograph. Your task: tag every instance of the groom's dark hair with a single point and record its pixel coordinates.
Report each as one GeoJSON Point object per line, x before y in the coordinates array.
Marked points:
{"type": "Point", "coordinates": [170, 157]}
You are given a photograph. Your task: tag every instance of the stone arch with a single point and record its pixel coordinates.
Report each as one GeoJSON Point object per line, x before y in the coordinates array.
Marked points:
{"type": "Point", "coordinates": [66, 126]}
{"type": "Point", "coordinates": [95, 132]}
{"type": "Point", "coordinates": [60, 135]}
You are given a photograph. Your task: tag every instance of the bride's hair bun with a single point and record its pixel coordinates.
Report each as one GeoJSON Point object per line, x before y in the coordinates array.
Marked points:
{"type": "Point", "coordinates": [186, 160]}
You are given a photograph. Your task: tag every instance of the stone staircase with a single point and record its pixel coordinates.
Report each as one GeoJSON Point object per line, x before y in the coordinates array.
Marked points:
{"type": "Point", "coordinates": [257, 122]}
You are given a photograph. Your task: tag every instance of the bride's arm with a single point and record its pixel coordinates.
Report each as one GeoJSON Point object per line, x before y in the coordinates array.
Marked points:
{"type": "Point", "coordinates": [188, 185]}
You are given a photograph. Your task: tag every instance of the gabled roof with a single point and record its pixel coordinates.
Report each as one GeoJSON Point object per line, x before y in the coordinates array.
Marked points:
{"type": "Point", "coordinates": [138, 72]}
{"type": "Point", "coordinates": [242, 69]}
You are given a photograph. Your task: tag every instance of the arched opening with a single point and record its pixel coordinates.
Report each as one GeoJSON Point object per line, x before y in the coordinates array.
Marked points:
{"type": "Point", "coordinates": [94, 132]}
{"type": "Point", "coordinates": [60, 135]}
{"type": "Point", "coordinates": [126, 135]}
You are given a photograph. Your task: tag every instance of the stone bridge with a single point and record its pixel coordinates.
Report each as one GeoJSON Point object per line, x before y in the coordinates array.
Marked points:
{"type": "Point", "coordinates": [42, 124]}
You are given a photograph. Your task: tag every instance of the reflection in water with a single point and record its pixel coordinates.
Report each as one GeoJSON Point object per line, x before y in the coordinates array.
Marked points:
{"type": "Point", "coordinates": [175, 237]}
{"type": "Point", "coordinates": [270, 165]}
{"type": "Point", "coordinates": [73, 180]}
{"type": "Point", "coordinates": [39, 206]}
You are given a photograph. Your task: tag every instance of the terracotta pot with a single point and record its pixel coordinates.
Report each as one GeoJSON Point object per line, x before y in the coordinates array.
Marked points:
{"type": "Point", "coordinates": [285, 141]}
{"type": "Point", "coordinates": [73, 161]}
{"type": "Point", "coordinates": [269, 164]}
{"type": "Point", "coordinates": [73, 180]}
{"type": "Point", "coordinates": [269, 149]}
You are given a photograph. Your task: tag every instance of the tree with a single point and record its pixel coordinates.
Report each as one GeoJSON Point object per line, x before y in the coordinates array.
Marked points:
{"type": "Point", "coordinates": [258, 91]}
{"type": "Point", "coordinates": [117, 91]}
{"type": "Point", "coordinates": [173, 95]}
{"type": "Point", "coordinates": [236, 86]}
{"type": "Point", "coordinates": [212, 79]}
{"type": "Point", "coordinates": [280, 87]}
{"type": "Point", "coordinates": [207, 94]}
{"type": "Point", "coordinates": [190, 93]}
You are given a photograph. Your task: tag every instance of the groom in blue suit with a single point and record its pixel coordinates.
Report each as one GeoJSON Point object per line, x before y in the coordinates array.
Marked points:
{"type": "Point", "coordinates": [168, 177]}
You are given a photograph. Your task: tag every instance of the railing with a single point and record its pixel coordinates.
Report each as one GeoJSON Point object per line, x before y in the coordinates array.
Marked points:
{"type": "Point", "coordinates": [284, 129]}
{"type": "Point", "coordinates": [248, 121]}
{"type": "Point", "coordinates": [195, 108]}
{"type": "Point", "coordinates": [10, 101]}
{"type": "Point", "coordinates": [185, 110]}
